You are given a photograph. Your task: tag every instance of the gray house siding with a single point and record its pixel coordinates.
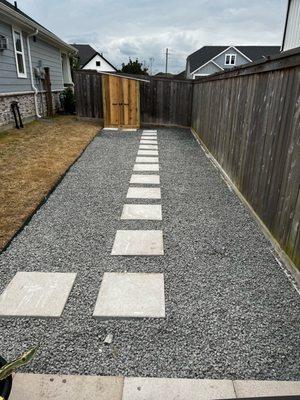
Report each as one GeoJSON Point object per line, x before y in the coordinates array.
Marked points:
{"type": "Point", "coordinates": [291, 37]}
{"type": "Point", "coordinates": [45, 55]}
{"type": "Point", "coordinates": [208, 69]}
{"type": "Point", "coordinates": [240, 59]}
{"type": "Point", "coordinates": [42, 53]}
{"type": "Point", "coordinates": [9, 81]}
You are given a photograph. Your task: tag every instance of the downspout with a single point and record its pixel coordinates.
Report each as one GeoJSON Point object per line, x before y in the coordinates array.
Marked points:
{"type": "Point", "coordinates": [31, 73]}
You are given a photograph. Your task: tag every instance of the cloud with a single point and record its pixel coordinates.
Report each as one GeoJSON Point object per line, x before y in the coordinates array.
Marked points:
{"type": "Point", "coordinates": [145, 28]}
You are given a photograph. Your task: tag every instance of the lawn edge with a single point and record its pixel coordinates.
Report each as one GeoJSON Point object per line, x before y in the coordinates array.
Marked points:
{"type": "Point", "coordinates": [46, 197]}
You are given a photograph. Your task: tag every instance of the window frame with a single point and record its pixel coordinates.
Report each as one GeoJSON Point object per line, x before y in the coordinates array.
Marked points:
{"type": "Point", "coordinates": [230, 55]}
{"type": "Point", "coordinates": [98, 61]}
{"type": "Point", "coordinates": [22, 53]}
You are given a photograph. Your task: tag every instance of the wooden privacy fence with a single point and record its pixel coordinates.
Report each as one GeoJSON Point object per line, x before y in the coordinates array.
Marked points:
{"type": "Point", "coordinates": [166, 102]}
{"type": "Point", "coordinates": [162, 101]}
{"type": "Point", "coordinates": [88, 94]}
{"type": "Point", "coordinates": [249, 119]}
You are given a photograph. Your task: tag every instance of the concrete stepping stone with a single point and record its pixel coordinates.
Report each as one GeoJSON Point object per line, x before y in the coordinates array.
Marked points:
{"type": "Point", "coordinates": [149, 134]}
{"type": "Point", "coordinates": [66, 387]}
{"type": "Point", "coordinates": [131, 295]}
{"type": "Point", "coordinates": [261, 389]}
{"type": "Point", "coordinates": [142, 211]}
{"type": "Point", "coordinates": [144, 193]}
{"type": "Point", "coordinates": [179, 389]}
{"type": "Point", "coordinates": [138, 243]}
{"type": "Point", "coordinates": [145, 179]}
{"type": "Point", "coordinates": [147, 153]}
{"type": "Point", "coordinates": [149, 130]}
{"type": "Point", "coordinates": [146, 167]}
{"type": "Point", "coordinates": [36, 294]}
{"type": "Point", "coordinates": [152, 137]}
{"type": "Point", "coordinates": [148, 146]}
{"type": "Point", "coordinates": [146, 159]}
{"type": "Point", "coordinates": [148, 141]}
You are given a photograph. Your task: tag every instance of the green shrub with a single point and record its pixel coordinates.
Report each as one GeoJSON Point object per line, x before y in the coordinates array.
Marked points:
{"type": "Point", "coordinates": [67, 100]}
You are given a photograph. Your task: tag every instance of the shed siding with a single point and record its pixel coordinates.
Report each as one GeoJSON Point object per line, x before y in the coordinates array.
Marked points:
{"type": "Point", "coordinates": [48, 56]}
{"type": "Point", "coordinates": [9, 81]}
{"type": "Point", "coordinates": [240, 60]}
{"type": "Point", "coordinates": [292, 33]}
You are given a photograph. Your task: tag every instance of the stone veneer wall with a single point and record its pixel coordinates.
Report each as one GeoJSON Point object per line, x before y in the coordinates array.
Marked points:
{"type": "Point", "coordinates": [26, 106]}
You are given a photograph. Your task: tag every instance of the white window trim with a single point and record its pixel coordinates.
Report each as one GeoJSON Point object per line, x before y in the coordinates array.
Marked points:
{"type": "Point", "coordinates": [230, 55]}
{"type": "Point", "coordinates": [20, 74]}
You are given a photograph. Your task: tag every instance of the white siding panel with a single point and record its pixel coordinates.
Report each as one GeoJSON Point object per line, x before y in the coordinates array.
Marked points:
{"type": "Point", "coordinates": [104, 66]}
{"type": "Point", "coordinates": [292, 33]}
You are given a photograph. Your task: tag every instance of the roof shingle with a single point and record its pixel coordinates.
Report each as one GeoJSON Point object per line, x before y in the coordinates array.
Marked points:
{"type": "Point", "coordinates": [206, 53]}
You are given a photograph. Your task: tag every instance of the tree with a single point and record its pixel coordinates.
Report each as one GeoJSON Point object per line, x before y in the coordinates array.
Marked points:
{"type": "Point", "coordinates": [134, 67]}
{"type": "Point", "coordinates": [74, 62]}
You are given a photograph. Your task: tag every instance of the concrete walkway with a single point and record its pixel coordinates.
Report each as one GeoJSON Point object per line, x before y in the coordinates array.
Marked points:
{"type": "Point", "coordinates": [226, 310]}
{"type": "Point", "coordinates": [65, 387]}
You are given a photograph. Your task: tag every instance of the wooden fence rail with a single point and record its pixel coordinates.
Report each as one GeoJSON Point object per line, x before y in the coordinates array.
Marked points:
{"type": "Point", "coordinates": [250, 121]}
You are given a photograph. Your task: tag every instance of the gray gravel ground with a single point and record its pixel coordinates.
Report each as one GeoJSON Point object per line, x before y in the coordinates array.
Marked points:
{"type": "Point", "coordinates": [230, 311]}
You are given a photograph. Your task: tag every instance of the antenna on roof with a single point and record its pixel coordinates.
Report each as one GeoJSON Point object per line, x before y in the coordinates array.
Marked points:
{"type": "Point", "coordinates": [16, 4]}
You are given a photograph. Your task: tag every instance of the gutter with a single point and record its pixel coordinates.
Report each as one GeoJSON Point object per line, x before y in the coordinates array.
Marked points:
{"type": "Point", "coordinates": [31, 73]}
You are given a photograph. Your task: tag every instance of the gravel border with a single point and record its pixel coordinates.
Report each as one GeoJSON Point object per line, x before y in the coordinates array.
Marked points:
{"type": "Point", "coordinates": [230, 310]}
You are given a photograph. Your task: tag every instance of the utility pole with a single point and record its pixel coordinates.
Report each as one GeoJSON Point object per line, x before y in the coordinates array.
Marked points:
{"type": "Point", "coordinates": [167, 56]}
{"type": "Point", "coordinates": [151, 61]}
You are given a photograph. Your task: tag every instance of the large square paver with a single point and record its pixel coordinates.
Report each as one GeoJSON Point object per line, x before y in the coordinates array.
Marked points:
{"type": "Point", "coordinates": [143, 193]}
{"type": "Point", "coordinates": [66, 387]}
{"type": "Point", "coordinates": [131, 295]}
{"type": "Point", "coordinates": [177, 389]}
{"type": "Point", "coordinates": [138, 243]}
{"type": "Point", "coordinates": [145, 159]}
{"type": "Point", "coordinates": [145, 179]}
{"type": "Point", "coordinates": [148, 141]}
{"type": "Point", "coordinates": [142, 211]}
{"type": "Point", "coordinates": [146, 167]}
{"type": "Point", "coordinates": [147, 153]}
{"type": "Point", "coordinates": [149, 146]}
{"type": "Point", "coordinates": [36, 294]}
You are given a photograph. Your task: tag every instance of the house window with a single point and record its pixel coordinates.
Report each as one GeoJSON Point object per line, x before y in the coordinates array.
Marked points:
{"type": "Point", "coordinates": [98, 63]}
{"type": "Point", "coordinates": [230, 59]}
{"type": "Point", "coordinates": [19, 53]}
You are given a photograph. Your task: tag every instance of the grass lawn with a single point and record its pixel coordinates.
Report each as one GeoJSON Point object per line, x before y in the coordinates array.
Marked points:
{"type": "Point", "coordinates": [31, 161]}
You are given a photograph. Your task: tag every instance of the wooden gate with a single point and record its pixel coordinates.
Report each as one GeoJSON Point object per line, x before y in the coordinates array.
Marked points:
{"type": "Point", "coordinates": [121, 101]}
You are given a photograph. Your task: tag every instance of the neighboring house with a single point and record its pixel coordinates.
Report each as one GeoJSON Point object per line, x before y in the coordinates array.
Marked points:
{"type": "Point", "coordinates": [211, 59]}
{"type": "Point", "coordinates": [26, 47]}
{"type": "Point", "coordinates": [89, 58]}
{"type": "Point", "coordinates": [291, 35]}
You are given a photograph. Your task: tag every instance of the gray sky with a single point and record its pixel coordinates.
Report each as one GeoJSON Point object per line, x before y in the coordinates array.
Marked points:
{"type": "Point", "coordinates": [144, 28]}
